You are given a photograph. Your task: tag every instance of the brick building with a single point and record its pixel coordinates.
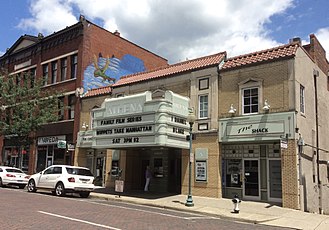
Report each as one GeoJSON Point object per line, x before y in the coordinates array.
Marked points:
{"type": "Point", "coordinates": [73, 60]}
{"type": "Point", "coordinates": [260, 130]}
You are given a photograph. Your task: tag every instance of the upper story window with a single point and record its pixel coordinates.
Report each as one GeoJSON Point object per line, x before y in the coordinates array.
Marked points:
{"type": "Point", "coordinates": [92, 116]}
{"type": "Point", "coordinates": [250, 100]}
{"type": "Point", "coordinates": [33, 76]}
{"type": "Point", "coordinates": [302, 99]}
{"type": "Point", "coordinates": [53, 72]}
{"type": "Point", "coordinates": [71, 106]}
{"type": "Point", "coordinates": [45, 74]}
{"type": "Point", "coordinates": [63, 69]}
{"type": "Point", "coordinates": [61, 108]}
{"type": "Point", "coordinates": [203, 106]}
{"type": "Point", "coordinates": [18, 79]}
{"type": "Point", "coordinates": [251, 94]}
{"type": "Point", "coordinates": [203, 83]}
{"type": "Point", "coordinates": [74, 66]}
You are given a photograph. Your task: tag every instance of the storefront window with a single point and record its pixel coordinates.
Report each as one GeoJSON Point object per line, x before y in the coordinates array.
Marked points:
{"type": "Point", "coordinates": [58, 156]}
{"type": "Point", "coordinates": [233, 173]}
{"type": "Point", "coordinates": [16, 157]}
{"type": "Point", "coordinates": [41, 163]}
{"type": "Point", "coordinates": [25, 159]}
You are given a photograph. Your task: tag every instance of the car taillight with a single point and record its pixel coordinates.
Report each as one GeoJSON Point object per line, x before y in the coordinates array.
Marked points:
{"type": "Point", "coordinates": [71, 179]}
{"type": "Point", "coordinates": [27, 177]}
{"type": "Point", "coordinates": [10, 175]}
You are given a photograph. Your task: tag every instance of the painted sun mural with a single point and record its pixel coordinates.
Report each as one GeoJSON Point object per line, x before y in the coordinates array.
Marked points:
{"type": "Point", "coordinates": [104, 71]}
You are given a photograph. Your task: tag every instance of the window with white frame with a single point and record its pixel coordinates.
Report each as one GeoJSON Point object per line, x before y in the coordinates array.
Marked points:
{"type": "Point", "coordinates": [63, 69]}
{"type": "Point", "coordinates": [92, 116]}
{"type": "Point", "coordinates": [45, 74]}
{"type": "Point", "coordinates": [71, 105]}
{"type": "Point", "coordinates": [203, 106]}
{"type": "Point", "coordinates": [74, 66]}
{"type": "Point", "coordinates": [302, 99]}
{"type": "Point", "coordinates": [33, 73]}
{"type": "Point", "coordinates": [54, 72]}
{"type": "Point", "coordinates": [250, 100]}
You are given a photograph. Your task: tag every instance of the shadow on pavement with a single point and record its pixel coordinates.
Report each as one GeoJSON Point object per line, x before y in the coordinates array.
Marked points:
{"type": "Point", "coordinates": [135, 193]}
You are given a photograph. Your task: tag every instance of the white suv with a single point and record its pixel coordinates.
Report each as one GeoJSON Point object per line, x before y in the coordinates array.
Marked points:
{"type": "Point", "coordinates": [62, 179]}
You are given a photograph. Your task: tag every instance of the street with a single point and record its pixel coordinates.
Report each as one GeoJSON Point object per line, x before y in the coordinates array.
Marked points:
{"type": "Point", "coordinates": [23, 210]}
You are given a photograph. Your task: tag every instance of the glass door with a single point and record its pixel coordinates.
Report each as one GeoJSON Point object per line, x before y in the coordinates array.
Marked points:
{"type": "Point", "coordinates": [100, 167]}
{"type": "Point", "coordinates": [274, 180]}
{"type": "Point", "coordinates": [251, 179]}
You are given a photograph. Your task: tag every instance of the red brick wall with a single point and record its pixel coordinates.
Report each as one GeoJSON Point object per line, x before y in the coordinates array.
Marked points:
{"type": "Point", "coordinates": [98, 40]}
{"type": "Point", "coordinates": [318, 54]}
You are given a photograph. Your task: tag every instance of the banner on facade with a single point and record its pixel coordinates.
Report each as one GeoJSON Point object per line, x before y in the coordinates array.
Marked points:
{"type": "Point", "coordinates": [61, 144]}
{"type": "Point", "coordinates": [283, 143]}
{"type": "Point", "coordinates": [201, 171]}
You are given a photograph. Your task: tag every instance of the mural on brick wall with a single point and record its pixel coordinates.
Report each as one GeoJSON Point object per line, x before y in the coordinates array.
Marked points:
{"type": "Point", "coordinates": [105, 71]}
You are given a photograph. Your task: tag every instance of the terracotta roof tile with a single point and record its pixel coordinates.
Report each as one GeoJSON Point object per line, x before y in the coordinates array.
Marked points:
{"type": "Point", "coordinates": [194, 64]}
{"type": "Point", "coordinates": [98, 91]}
{"type": "Point", "coordinates": [288, 50]}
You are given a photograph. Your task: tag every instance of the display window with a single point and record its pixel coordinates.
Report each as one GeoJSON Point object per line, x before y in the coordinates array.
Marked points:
{"type": "Point", "coordinates": [233, 173]}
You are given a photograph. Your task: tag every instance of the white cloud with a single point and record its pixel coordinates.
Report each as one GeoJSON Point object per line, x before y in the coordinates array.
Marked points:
{"type": "Point", "coordinates": [173, 29]}
{"type": "Point", "coordinates": [323, 37]}
{"type": "Point", "coordinates": [49, 16]}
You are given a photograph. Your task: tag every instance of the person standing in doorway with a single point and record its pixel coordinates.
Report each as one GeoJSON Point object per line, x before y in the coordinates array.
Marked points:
{"type": "Point", "coordinates": [148, 176]}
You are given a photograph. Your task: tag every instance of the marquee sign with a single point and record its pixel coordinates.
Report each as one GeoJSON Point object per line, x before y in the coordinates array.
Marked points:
{"type": "Point", "coordinates": [141, 120]}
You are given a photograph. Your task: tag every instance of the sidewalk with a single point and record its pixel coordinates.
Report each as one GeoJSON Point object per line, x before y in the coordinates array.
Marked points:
{"type": "Point", "coordinates": [252, 212]}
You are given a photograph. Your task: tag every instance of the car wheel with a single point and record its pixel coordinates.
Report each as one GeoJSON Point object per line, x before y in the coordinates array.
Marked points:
{"type": "Point", "coordinates": [59, 189]}
{"type": "Point", "coordinates": [31, 186]}
{"type": "Point", "coordinates": [84, 194]}
{"type": "Point", "coordinates": [21, 186]}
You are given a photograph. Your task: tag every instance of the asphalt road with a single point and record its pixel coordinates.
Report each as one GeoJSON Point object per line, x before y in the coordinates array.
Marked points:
{"type": "Point", "coordinates": [22, 210]}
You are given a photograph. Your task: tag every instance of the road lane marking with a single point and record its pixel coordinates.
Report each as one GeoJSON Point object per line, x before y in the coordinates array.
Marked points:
{"type": "Point", "coordinates": [192, 216]}
{"type": "Point", "coordinates": [78, 220]}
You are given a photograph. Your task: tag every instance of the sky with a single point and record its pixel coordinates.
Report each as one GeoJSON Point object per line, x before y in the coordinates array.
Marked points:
{"type": "Point", "coordinates": [177, 30]}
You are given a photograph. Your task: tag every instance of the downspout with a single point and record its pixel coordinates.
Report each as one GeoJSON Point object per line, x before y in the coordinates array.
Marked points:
{"type": "Point", "coordinates": [315, 76]}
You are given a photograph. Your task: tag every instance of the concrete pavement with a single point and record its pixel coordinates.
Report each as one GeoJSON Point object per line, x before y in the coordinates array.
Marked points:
{"type": "Point", "coordinates": [252, 212]}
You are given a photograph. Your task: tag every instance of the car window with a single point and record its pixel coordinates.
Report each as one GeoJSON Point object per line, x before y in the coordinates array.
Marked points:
{"type": "Point", "coordinates": [79, 171]}
{"type": "Point", "coordinates": [14, 170]}
{"type": "Point", "coordinates": [57, 170]}
{"type": "Point", "coordinates": [49, 171]}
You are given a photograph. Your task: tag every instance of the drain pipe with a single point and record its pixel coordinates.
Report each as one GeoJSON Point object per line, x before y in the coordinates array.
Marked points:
{"type": "Point", "coordinates": [315, 76]}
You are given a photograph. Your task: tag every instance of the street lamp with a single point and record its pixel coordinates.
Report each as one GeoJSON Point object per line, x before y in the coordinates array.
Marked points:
{"type": "Point", "coordinates": [190, 119]}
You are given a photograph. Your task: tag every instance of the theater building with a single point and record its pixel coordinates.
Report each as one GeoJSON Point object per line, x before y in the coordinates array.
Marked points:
{"type": "Point", "coordinates": [260, 131]}
{"type": "Point", "coordinates": [143, 122]}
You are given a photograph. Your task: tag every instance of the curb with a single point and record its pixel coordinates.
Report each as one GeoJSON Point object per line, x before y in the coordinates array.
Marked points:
{"type": "Point", "coordinates": [224, 217]}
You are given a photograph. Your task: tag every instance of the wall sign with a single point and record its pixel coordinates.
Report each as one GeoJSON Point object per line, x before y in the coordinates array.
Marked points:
{"type": "Point", "coordinates": [258, 127]}
{"type": "Point", "coordinates": [50, 140]}
{"type": "Point", "coordinates": [201, 170]}
{"type": "Point", "coordinates": [261, 128]}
